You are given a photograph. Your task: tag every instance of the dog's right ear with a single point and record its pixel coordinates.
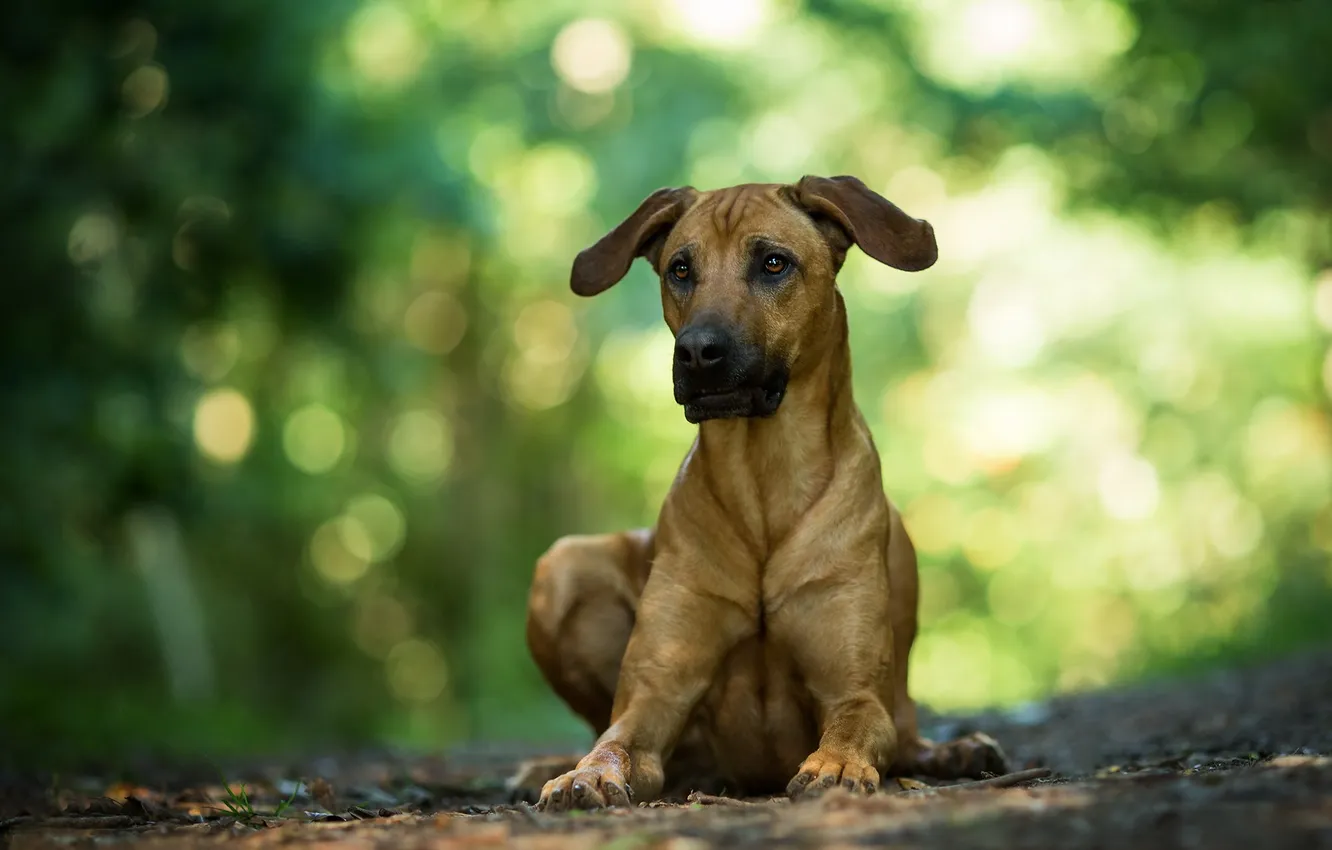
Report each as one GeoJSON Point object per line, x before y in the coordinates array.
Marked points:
{"type": "Point", "coordinates": [868, 219]}
{"type": "Point", "coordinates": [601, 266]}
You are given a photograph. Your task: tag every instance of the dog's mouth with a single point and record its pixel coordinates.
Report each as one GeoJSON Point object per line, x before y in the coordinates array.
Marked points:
{"type": "Point", "coordinates": [736, 403]}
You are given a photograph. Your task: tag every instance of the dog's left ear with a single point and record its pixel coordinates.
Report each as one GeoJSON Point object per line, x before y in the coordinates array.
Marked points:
{"type": "Point", "coordinates": [869, 220]}
{"type": "Point", "coordinates": [601, 266]}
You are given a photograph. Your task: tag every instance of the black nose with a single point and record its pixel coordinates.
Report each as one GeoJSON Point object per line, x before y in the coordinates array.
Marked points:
{"type": "Point", "coordinates": [702, 347]}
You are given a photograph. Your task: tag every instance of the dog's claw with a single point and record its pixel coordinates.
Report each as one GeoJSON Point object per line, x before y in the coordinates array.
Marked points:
{"type": "Point", "coordinates": [798, 784]}
{"type": "Point", "coordinates": [821, 773]}
{"type": "Point", "coordinates": [595, 786]}
{"type": "Point", "coordinates": [616, 795]}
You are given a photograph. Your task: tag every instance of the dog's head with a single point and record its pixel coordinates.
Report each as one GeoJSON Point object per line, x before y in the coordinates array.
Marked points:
{"type": "Point", "coordinates": [747, 278]}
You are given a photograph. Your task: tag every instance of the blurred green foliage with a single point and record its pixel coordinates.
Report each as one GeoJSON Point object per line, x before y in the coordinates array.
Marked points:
{"type": "Point", "coordinates": [294, 392]}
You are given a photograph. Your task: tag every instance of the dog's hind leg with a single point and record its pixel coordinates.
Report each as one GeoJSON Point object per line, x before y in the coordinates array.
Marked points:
{"type": "Point", "coordinates": [580, 612]}
{"type": "Point", "coordinates": [973, 756]}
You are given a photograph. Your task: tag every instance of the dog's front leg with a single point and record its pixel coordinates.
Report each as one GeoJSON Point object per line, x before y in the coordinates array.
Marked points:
{"type": "Point", "coordinates": [682, 634]}
{"type": "Point", "coordinates": [837, 632]}
{"type": "Point", "coordinates": [857, 735]}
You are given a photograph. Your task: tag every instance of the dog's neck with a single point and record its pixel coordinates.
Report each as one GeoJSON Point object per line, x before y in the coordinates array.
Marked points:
{"type": "Point", "coordinates": [771, 470]}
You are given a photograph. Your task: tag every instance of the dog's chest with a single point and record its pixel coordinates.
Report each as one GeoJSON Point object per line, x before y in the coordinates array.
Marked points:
{"type": "Point", "coordinates": [766, 489]}
{"type": "Point", "coordinates": [760, 719]}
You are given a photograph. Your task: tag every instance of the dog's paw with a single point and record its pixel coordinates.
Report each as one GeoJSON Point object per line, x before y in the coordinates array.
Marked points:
{"type": "Point", "coordinates": [525, 785]}
{"type": "Point", "coordinates": [822, 772]}
{"type": "Point", "coordinates": [970, 757]}
{"type": "Point", "coordinates": [597, 782]}
{"type": "Point", "coordinates": [979, 754]}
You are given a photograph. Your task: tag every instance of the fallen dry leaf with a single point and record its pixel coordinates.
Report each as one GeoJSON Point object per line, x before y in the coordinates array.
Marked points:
{"type": "Point", "coordinates": [322, 792]}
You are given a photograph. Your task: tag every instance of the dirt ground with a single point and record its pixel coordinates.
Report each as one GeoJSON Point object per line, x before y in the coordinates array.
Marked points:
{"type": "Point", "coordinates": [1236, 759]}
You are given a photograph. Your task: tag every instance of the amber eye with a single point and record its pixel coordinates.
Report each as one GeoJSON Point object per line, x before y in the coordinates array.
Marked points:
{"type": "Point", "coordinates": [774, 264]}
{"type": "Point", "coordinates": [680, 271]}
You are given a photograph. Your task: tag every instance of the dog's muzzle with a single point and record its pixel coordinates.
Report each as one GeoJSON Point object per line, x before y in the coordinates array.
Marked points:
{"type": "Point", "coordinates": [719, 377]}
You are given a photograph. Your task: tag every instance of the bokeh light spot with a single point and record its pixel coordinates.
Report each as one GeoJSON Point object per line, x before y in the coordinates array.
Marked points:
{"type": "Point", "coordinates": [92, 239]}
{"type": "Point", "coordinates": [1009, 423]}
{"type": "Point", "coordinates": [381, 623]}
{"type": "Point", "coordinates": [1227, 120]}
{"type": "Point", "coordinates": [493, 151]}
{"type": "Point", "coordinates": [1169, 369]}
{"type": "Point", "coordinates": [992, 539]}
{"type": "Point", "coordinates": [224, 425]}
{"type": "Point", "coordinates": [331, 557]}
{"type": "Point", "coordinates": [1323, 299]}
{"type": "Point", "coordinates": [355, 538]}
{"type": "Point", "coordinates": [951, 665]}
{"type": "Point", "coordinates": [1152, 564]}
{"type": "Point", "coordinates": [1129, 487]}
{"type": "Point", "coordinates": [145, 90]}
{"type": "Point", "coordinates": [543, 371]}
{"type": "Point", "coordinates": [545, 331]}
{"type": "Point", "coordinates": [314, 438]}
{"type": "Point", "coordinates": [1237, 531]}
{"type": "Point", "coordinates": [917, 187]}
{"type": "Point", "coordinates": [939, 594]}
{"type": "Point", "coordinates": [416, 671]}
{"type": "Point", "coordinates": [1320, 532]}
{"type": "Point", "coordinates": [634, 373]}
{"type": "Point", "coordinates": [1044, 510]}
{"type": "Point", "coordinates": [137, 40]}
{"type": "Point", "coordinates": [420, 446]}
{"type": "Point", "coordinates": [435, 322]}
{"type": "Point", "coordinates": [1288, 453]}
{"type": "Point", "coordinates": [1170, 443]}
{"type": "Point", "coordinates": [731, 23]}
{"type": "Point", "coordinates": [1006, 321]}
{"type": "Point", "coordinates": [1327, 372]}
{"type": "Point", "coordinates": [592, 55]}
{"type": "Point", "coordinates": [440, 259]}
{"type": "Point", "coordinates": [999, 28]}
{"type": "Point", "coordinates": [1130, 125]}
{"type": "Point", "coordinates": [558, 179]}
{"type": "Point", "coordinates": [945, 460]}
{"type": "Point", "coordinates": [383, 522]}
{"type": "Point", "coordinates": [979, 44]}
{"type": "Point", "coordinates": [933, 521]}
{"type": "Point", "coordinates": [1016, 597]}
{"type": "Point", "coordinates": [581, 110]}
{"type": "Point", "coordinates": [209, 351]}
{"type": "Point", "coordinates": [455, 15]}
{"type": "Point", "coordinates": [384, 44]}
{"type": "Point", "coordinates": [780, 143]}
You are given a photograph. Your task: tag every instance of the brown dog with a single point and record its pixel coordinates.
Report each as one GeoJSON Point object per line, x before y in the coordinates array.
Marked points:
{"type": "Point", "coordinates": [761, 632]}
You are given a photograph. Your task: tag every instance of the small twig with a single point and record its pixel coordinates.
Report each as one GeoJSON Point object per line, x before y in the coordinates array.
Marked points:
{"type": "Point", "coordinates": [10, 823]}
{"type": "Point", "coordinates": [523, 811]}
{"type": "Point", "coordinates": [1008, 780]}
{"type": "Point", "coordinates": [87, 822]}
{"type": "Point", "coordinates": [713, 800]}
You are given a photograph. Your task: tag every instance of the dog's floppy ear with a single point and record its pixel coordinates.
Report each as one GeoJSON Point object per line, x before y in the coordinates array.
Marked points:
{"type": "Point", "coordinates": [601, 266]}
{"type": "Point", "coordinates": [869, 220]}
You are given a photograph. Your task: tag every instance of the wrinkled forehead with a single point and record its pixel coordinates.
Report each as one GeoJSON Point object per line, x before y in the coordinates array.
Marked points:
{"type": "Point", "coordinates": [729, 221]}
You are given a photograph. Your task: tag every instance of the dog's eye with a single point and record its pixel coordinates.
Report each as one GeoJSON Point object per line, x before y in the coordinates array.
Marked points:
{"type": "Point", "coordinates": [680, 271]}
{"type": "Point", "coordinates": [775, 264]}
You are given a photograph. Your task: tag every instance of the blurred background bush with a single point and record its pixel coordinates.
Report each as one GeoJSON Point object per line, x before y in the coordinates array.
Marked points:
{"type": "Point", "coordinates": [294, 390]}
